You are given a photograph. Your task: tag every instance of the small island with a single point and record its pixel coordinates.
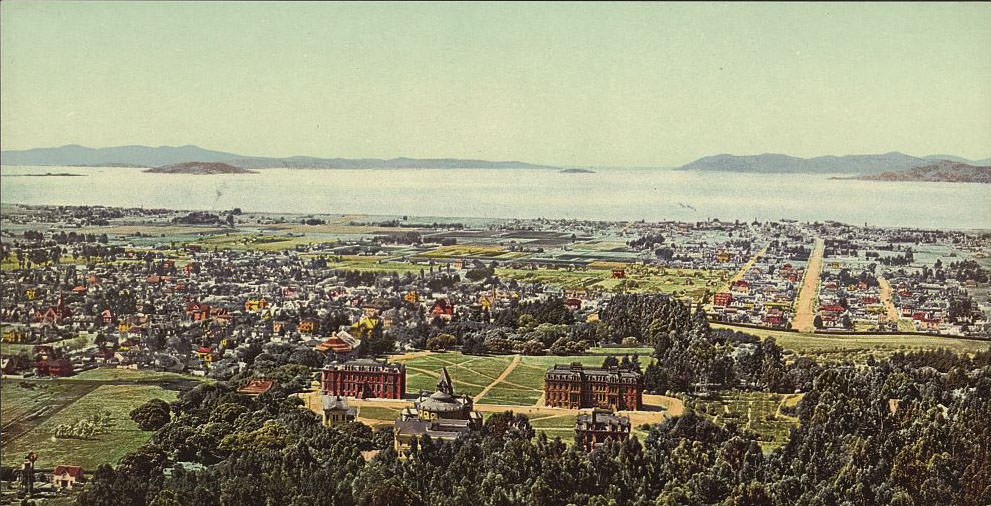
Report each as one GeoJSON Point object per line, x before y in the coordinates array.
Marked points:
{"type": "Point", "coordinates": [577, 171]}
{"type": "Point", "coordinates": [200, 168]}
{"type": "Point", "coordinates": [50, 174]}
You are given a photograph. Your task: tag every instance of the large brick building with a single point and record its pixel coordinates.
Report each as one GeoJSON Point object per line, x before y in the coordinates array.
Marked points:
{"type": "Point", "coordinates": [576, 386]}
{"type": "Point", "coordinates": [364, 378]}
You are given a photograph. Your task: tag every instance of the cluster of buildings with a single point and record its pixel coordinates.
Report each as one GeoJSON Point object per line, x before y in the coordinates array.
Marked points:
{"type": "Point", "coordinates": [444, 414]}
{"type": "Point", "coordinates": [765, 294]}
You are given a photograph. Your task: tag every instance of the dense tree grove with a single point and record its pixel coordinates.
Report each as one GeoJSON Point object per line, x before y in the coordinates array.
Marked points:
{"type": "Point", "coordinates": [912, 429]}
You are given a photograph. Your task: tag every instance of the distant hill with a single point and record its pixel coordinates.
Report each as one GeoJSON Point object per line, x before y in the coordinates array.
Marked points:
{"type": "Point", "coordinates": [200, 168]}
{"type": "Point", "coordinates": [778, 163]}
{"type": "Point", "coordinates": [309, 162]}
{"type": "Point", "coordinates": [141, 156]}
{"type": "Point", "coordinates": [943, 171]}
{"type": "Point", "coordinates": [146, 156]}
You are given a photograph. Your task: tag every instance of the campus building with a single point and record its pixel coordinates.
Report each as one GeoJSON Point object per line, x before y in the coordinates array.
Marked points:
{"type": "Point", "coordinates": [578, 386]}
{"type": "Point", "coordinates": [440, 415]}
{"type": "Point", "coordinates": [595, 428]}
{"type": "Point", "coordinates": [364, 378]}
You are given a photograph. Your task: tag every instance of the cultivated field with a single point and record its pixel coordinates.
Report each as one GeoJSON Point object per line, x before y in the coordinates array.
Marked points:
{"type": "Point", "coordinates": [465, 251]}
{"type": "Point", "coordinates": [116, 438]}
{"type": "Point", "coordinates": [755, 412]}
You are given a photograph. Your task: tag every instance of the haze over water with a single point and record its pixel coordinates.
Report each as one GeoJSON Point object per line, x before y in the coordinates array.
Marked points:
{"type": "Point", "coordinates": [608, 194]}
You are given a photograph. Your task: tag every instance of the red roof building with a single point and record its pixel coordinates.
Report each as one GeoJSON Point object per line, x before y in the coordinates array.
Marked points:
{"type": "Point", "coordinates": [254, 388]}
{"type": "Point", "coordinates": [722, 299]}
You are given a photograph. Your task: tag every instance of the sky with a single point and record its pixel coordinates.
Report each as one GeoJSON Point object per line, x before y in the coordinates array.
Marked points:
{"type": "Point", "coordinates": [583, 84]}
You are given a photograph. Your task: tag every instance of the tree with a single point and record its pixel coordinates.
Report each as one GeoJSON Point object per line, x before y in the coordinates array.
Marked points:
{"type": "Point", "coordinates": [441, 342]}
{"type": "Point", "coordinates": [151, 415]}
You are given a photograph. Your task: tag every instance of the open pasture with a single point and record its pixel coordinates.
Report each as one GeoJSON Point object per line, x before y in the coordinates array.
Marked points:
{"type": "Point", "coordinates": [115, 439]}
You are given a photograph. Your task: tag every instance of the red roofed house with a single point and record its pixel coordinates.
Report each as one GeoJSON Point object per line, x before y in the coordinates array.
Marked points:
{"type": "Point", "coordinates": [254, 388]}
{"type": "Point", "coordinates": [66, 476]}
{"type": "Point", "coordinates": [58, 367]}
{"type": "Point", "coordinates": [722, 299]}
{"type": "Point", "coordinates": [443, 309]}
{"type": "Point", "coordinates": [341, 343]}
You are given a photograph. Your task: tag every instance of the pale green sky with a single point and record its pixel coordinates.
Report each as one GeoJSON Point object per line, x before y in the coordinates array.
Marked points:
{"type": "Point", "coordinates": [567, 84]}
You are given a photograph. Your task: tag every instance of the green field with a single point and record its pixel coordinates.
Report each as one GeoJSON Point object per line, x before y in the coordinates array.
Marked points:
{"type": "Point", "coordinates": [680, 282]}
{"type": "Point", "coordinates": [755, 412]}
{"type": "Point", "coordinates": [256, 242]}
{"type": "Point", "coordinates": [470, 374]}
{"type": "Point", "coordinates": [523, 386]}
{"type": "Point", "coordinates": [858, 347]}
{"type": "Point", "coordinates": [378, 413]}
{"type": "Point", "coordinates": [131, 376]}
{"type": "Point", "coordinates": [118, 438]}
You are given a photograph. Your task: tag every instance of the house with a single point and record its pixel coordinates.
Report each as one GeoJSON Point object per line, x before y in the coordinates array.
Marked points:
{"type": "Point", "coordinates": [336, 410]}
{"type": "Point", "coordinates": [442, 309]}
{"type": "Point", "coordinates": [253, 305]}
{"type": "Point", "coordinates": [619, 273]}
{"type": "Point", "coordinates": [341, 343]}
{"type": "Point", "coordinates": [254, 388]}
{"type": "Point", "coordinates": [205, 354]}
{"type": "Point", "coordinates": [722, 299]}
{"type": "Point", "coordinates": [308, 325]}
{"type": "Point", "coordinates": [65, 477]}
{"type": "Point", "coordinates": [56, 368]}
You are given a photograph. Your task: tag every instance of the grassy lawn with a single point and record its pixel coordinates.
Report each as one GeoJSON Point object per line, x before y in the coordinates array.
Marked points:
{"type": "Point", "coordinates": [470, 373]}
{"type": "Point", "coordinates": [523, 386]}
{"type": "Point", "coordinates": [755, 412]}
{"type": "Point", "coordinates": [377, 413]}
{"type": "Point", "coordinates": [119, 438]}
{"type": "Point", "coordinates": [857, 347]}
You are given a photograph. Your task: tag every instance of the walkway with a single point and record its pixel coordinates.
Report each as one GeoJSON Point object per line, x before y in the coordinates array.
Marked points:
{"type": "Point", "coordinates": [512, 365]}
{"type": "Point", "coordinates": [805, 310]}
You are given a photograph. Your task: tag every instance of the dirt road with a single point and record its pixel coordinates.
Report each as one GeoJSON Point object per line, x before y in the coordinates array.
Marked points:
{"type": "Point", "coordinates": [655, 408]}
{"type": "Point", "coordinates": [743, 270]}
{"type": "Point", "coordinates": [887, 300]}
{"type": "Point", "coordinates": [805, 311]}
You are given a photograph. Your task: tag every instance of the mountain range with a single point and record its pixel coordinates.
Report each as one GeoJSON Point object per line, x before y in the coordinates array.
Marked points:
{"type": "Point", "coordinates": [148, 156]}
{"type": "Point", "coordinates": [849, 164]}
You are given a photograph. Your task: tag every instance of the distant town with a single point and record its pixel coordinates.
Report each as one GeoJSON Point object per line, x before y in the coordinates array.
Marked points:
{"type": "Point", "coordinates": [438, 328]}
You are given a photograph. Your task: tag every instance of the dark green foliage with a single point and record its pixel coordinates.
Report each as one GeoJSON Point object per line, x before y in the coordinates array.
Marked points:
{"type": "Point", "coordinates": [151, 415]}
{"type": "Point", "coordinates": [914, 429]}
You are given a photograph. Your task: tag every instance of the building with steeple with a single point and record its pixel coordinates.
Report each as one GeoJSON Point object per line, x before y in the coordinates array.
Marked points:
{"type": "Point", "coordinates": [442, 414]}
